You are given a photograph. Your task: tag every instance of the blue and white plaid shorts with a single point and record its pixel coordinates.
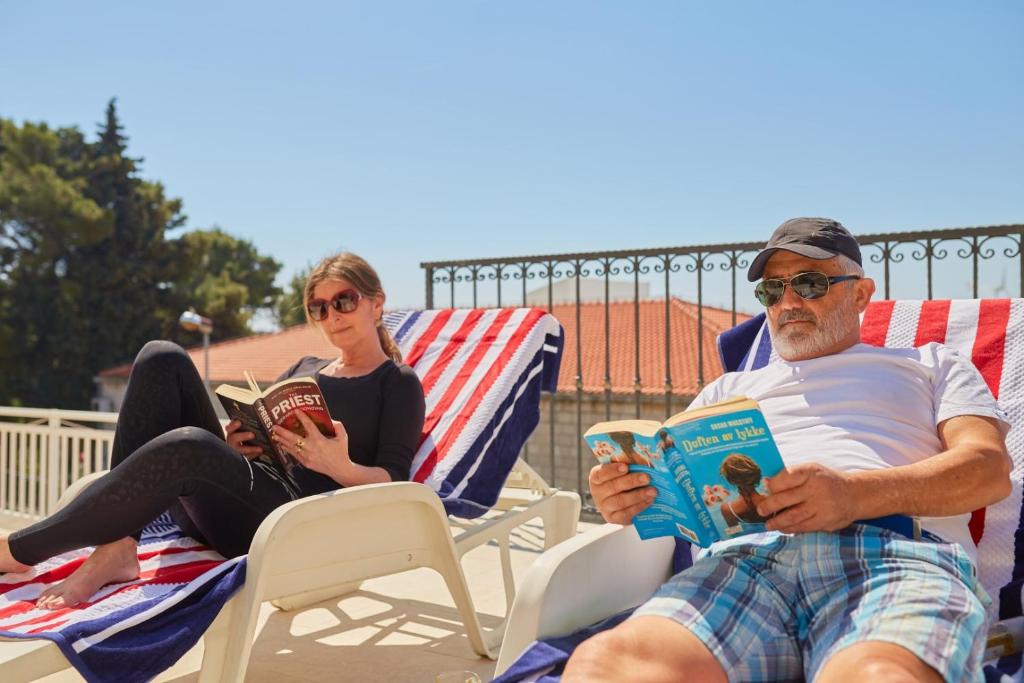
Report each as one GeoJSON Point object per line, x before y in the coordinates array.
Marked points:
{"type": "Point", "coordinates": [776, 607]}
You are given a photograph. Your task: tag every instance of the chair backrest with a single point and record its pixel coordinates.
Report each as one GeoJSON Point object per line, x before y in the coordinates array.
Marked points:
{"type": "Point", "coordinates": [991, 333]}
{"type": "Point", "coordinates": [482, 372]}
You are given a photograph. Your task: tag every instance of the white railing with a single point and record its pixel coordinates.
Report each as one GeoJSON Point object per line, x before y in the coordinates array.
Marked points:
{"type": "Point", "coordinates": [42, 451]}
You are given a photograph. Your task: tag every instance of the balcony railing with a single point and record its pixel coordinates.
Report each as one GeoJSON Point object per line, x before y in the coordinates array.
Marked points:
{"type": "Point", "coordinates": [706, 282]}
{"type": "Point", "coordinates": [628, 356]}
{"type": "Point", "coordinates": [42, 451]}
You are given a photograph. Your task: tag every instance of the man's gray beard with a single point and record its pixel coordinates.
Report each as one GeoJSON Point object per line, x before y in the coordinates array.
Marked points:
{"type": "Point", "coordinates": [792, 343]}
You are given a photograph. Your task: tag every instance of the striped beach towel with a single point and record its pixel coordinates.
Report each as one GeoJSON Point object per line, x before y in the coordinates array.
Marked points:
{"type": "Point", "coordinates": [482, 372]}
{"type": "Point", "coordinates": [127, 631]}
{"type": "Point", "coordinates": [988, 331]}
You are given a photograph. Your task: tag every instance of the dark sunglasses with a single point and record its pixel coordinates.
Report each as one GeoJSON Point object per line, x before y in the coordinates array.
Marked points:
{"type": "Point", "coordinates": [344, 301]}
{"type": "Point", "coordinates": [806, 285]}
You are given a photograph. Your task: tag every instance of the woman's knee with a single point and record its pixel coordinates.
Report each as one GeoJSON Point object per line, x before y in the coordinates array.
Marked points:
{"type": "Point", "coordinates": [161, 356]}
{"type": "Point", "coordinates": [192, 449]}
{"type": "Point", "coordinates": [198, 440]}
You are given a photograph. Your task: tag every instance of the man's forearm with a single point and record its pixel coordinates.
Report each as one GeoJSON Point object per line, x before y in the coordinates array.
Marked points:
{"type": "Point", "coordinates": [954, 482]}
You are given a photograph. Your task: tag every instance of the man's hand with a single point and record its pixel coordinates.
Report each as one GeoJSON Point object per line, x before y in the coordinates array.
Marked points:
{"type": "Point", "coordinates": [618, 493]}
{"type": "Point", "coordinates": [810, 497]}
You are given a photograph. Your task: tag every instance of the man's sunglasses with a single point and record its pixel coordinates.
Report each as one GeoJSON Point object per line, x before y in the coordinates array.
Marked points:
{"type": "Point", "coordinates": [344, 301]}
{"type": "Point", "coordinates": [806, 285]}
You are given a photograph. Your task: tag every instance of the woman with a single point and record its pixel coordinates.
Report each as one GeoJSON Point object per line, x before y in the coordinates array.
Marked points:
{"type": "Point", "coordinates": [170, 451]}
{"type": "Point", "coordinates": [627, 444]}
{"type": "Point", "coordinates": [743, 473]}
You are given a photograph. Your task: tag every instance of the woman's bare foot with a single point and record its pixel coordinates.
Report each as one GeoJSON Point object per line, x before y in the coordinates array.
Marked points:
{"type": "Point", "coordinates": [7, 561]}
{"type": "Point", "coordinates": [111, 563]}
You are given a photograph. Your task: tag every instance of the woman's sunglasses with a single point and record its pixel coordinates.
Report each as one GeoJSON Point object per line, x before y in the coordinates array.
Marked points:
{"type": "Point", "coordinates": [344, 301]}
{"type": "Point", "coordinates": [806, 285]}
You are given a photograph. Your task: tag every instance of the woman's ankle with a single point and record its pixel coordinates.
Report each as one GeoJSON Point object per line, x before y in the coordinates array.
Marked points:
{"type": "Point", "coordinates": [9, 563]}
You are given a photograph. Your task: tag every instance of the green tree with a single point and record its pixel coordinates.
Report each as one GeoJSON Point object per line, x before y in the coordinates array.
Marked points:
{"type": "Point", "coordinates": [88, 270]}
{"type": "Point", "coordinates": [288, 308]}
{"type": "Point", "coordinates": [45, 218]}
{"type": "Point", "coordinates": [124, 278]}
{"type": "Point", "coordinates": [224, 278]}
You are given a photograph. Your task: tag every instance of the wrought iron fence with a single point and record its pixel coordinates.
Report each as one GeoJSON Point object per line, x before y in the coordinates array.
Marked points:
{"type": "Point", "coordinates": [690, 274]}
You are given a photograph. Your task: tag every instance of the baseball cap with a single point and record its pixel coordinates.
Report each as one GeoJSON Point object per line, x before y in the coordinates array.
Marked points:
{"type": "Point", "coordinates": [816, 238]}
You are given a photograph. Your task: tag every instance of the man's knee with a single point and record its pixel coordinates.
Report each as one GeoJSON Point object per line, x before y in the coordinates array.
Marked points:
{"type": "Point", "coordinates": [877, 662]}
{"type": "Point", "coordinates": [886, 670]}
{"type": "Point", "coordinates": [596, 657]}
{"type": "Point", "coordinates": [646, 648]}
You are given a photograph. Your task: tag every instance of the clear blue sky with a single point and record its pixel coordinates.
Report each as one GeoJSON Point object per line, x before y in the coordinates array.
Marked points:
{"type": "Point", "coordinates": [435, 130]}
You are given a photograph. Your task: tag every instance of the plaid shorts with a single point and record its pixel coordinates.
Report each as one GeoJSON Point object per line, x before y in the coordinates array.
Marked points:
{"type": "Point", "coordinates": [776, 607]}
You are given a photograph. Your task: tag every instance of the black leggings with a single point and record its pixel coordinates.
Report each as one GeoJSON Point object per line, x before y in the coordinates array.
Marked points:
{"type": "Point", "coordinates": [169, 453]}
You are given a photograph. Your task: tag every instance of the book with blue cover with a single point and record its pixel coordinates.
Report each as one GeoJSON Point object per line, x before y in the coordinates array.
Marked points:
{"type": "Point", "coordinates": [708, 465]}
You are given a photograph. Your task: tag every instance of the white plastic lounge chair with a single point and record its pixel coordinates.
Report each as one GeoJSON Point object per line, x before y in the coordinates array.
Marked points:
{"type": "Point", "coordinates": [482, 372]}
{"type": "Point", "coordinates": [580, 582]}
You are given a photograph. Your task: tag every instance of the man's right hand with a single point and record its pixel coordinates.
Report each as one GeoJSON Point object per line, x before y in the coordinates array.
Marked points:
{"type": "Point", "coordinates": [618, 493]}
{"type": "Point", "coordinates": [237, 439]}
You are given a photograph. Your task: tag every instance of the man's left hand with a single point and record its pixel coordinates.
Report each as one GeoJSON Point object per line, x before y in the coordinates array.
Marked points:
{"type": "Point", "coordinates": [810, 497]}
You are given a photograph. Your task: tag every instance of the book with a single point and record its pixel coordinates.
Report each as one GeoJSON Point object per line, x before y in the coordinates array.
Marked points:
{"type": "Point", "coordinates": [708, 466]}
{"type": "Point", "coordinates": [260, 409]}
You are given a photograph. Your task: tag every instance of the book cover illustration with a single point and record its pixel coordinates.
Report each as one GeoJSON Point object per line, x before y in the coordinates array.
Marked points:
{"type": "Point", "coordinates": [709, 467]}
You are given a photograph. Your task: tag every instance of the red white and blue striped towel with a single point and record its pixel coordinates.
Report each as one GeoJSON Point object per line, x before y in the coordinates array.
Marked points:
{"type": "Point", "coordinates": [482, 373]}
{"type": "Point", "coordinates": [127, 631]}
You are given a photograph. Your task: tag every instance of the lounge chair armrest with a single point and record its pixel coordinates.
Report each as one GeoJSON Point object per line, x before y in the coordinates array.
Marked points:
{"type": "Point", "coordinates": [350, 534]}
{"type": "Point", "coordinates": [583, 580]}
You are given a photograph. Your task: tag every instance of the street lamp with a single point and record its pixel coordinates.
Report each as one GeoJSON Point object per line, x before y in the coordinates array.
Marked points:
{"type": "Point", "coordinates": [190, 320]}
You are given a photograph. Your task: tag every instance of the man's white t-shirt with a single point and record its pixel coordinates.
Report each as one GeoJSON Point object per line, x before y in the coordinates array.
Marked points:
{"type": "Point", "coordinates": [865, 408]}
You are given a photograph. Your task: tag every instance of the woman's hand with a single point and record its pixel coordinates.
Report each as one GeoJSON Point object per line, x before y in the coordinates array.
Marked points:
{"type": "Point", "coordinates": [323, 454]}
{"type": "Point", "coordinates": [237, 439]}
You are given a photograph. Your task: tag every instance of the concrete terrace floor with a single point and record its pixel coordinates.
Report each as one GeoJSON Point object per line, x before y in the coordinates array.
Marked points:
{"type": "Point", "coordinates": [397, 629]}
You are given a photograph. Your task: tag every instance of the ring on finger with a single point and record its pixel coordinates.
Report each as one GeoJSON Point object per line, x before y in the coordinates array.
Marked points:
{"type": "Point", "coordinates": [299, 445]}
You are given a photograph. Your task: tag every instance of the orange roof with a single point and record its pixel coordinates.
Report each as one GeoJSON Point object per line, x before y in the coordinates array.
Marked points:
{"type": "Point", "coordinates": [622, 345]}
{"type": "Point", "coordinates": [268, 355]}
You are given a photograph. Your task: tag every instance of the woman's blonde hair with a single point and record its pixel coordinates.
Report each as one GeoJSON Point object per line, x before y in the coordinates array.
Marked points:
{"type": "Point", "coordinates": [355, 269]}
{"type": "Point", "coordinates": [741, 471]}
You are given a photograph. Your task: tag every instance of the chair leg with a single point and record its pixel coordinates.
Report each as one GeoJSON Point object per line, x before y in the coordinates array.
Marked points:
{"type": "Point", "coordinates": [483, 644]}
{"type": "Point", "coordinates": [561, 520]}
{"type": "Point", "coordinates": [215, 645]}
{"type": "Point", "coordinates": [227, 650]}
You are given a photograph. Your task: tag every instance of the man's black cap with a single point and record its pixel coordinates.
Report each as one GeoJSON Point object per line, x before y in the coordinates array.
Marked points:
{"type": "Point", "coordinates": [817, 238]}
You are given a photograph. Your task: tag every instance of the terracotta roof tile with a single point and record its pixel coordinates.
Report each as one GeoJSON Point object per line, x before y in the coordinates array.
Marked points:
{"type": "Point", "coordinates": [622, 361]}
{"type": "Point", "coordinates": [265, 355]}
{"type": "Point", "coordinates": [268, 355]}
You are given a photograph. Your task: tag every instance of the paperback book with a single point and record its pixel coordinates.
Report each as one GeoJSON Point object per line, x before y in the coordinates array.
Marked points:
{"type": "Point", "coordinates": [260, 409]}
{"type": "Point", "coordinates": [708, 466]}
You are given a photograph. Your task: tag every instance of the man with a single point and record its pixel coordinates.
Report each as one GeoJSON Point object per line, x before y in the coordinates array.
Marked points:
{"type": "Point", "coordinates": [865, 433]}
